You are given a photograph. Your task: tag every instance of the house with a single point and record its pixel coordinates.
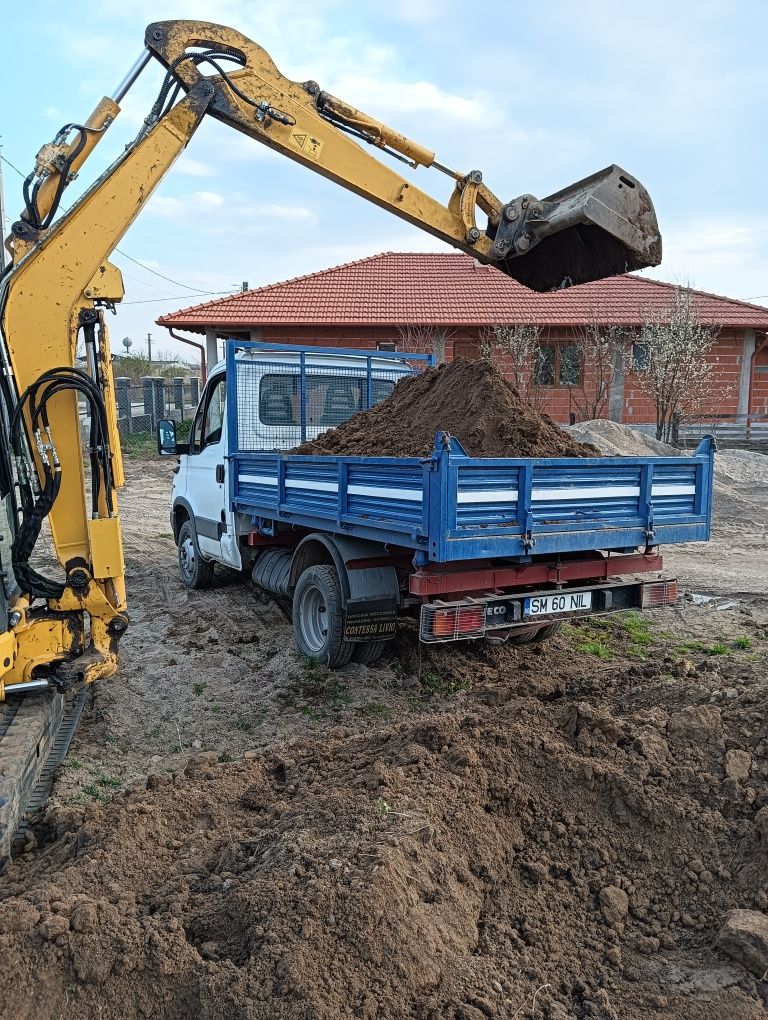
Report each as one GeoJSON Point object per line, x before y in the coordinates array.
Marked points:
{"type": "Point", "coordinates": [451, 302]}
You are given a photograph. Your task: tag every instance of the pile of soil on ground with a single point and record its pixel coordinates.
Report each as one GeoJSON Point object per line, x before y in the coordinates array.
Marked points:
{"type": "Point", "coordinates": [563, 848]}
{"type": "Point", "coordinates": [471, 400]}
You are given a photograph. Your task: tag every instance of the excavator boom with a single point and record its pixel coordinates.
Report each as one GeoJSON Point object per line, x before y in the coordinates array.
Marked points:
{"type": "Point", "coordinates": [595, 228]}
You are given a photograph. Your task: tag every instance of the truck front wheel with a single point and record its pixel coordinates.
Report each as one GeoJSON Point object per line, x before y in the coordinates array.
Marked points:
{"type": "Point", "coordinates": [195, 572]}
{"type": "Point", "coordinates": [318, 617]}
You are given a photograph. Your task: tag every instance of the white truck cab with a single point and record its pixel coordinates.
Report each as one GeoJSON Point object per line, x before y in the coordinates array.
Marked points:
{"type": "Point", "coordinates": [289, 395]}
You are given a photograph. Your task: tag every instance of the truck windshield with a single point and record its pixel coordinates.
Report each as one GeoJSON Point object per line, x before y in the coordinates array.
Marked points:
{"type": "Point", "coordinates": [331, 400]}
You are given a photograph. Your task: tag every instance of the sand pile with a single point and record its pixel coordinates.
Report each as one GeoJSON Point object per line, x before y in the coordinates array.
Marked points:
{"type": "Point", "coordinates": [469, 399]}
{"type": "Point", "coordinates": [743, 466]}
{"type": "Point", "coordinates": [615, 440]}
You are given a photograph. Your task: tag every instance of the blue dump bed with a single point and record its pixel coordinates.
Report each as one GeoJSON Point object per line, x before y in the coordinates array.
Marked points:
{"type": "Point", "coordinates": [453, 507]}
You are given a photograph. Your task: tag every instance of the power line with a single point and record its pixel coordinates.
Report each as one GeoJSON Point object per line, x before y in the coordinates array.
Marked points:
{"type": "Point", "coordinates": [176, 283]}
{"type": "Point", "coordinates": [6, 160]}
{"type": "Point", "coordinates": [144, 283]}
{"type": "Point", "coordinates": [179, 297]}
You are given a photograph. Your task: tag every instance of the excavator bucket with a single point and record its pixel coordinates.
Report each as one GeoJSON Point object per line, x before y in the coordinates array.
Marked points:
{"type": "Point", "coordinates": [601, 226]}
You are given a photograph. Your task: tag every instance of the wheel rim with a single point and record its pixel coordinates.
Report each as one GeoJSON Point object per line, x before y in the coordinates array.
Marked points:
{"type": "Point", "coordinates": [313, 619]}
{"type": "Point", "coordinates": [187, 558]}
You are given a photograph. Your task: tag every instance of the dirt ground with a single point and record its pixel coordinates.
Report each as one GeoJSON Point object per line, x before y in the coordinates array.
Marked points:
{"type": "Point", "coordinates": [545, 832]}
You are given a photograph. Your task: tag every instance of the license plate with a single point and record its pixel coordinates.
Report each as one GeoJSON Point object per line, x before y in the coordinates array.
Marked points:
{"type": "Point", "coordinates": [562, 602]}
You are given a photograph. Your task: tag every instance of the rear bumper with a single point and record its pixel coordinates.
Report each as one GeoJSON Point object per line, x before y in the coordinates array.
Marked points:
{"type": "Point", "coordinates": [497, 615]}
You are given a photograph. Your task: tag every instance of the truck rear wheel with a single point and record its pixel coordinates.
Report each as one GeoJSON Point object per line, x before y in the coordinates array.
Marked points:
{"type": "Point", "coordinates": [318, 617]}
{"type": "Point", "coordinates": [544, 633]}
{"type": "Point", "coordinates": [534, 635]}
{"type": "Point", "coordinates": [196, 573]}
{"type": "Point", "coordinates": [367, 652]}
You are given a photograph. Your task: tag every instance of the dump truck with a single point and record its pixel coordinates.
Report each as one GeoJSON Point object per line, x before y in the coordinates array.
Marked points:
{"type": "Point", "coordinates": [473, 548]}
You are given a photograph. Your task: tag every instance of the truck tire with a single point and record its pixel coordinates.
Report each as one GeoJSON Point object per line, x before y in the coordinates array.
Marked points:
{"type": "Point", "coordinates": [523, 636]}
{"type": "Point", "coordinates": [544, 633]}
{"type": "Point", "coordinates": [196, 573]}
{"type": "Point", "coordinates": [318, 617]}
{"type": "Point", "coordinates": [367, 652]}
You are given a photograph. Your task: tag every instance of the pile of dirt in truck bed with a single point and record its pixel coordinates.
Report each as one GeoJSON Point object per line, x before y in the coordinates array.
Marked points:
{"type": "Point", "coordinates": [471, 400]}
{"type": "Point", "coordinates": [549, 848]}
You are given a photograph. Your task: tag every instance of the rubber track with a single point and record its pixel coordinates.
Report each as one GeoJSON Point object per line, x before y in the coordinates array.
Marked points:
{"type": "Point", "coordinates": [35, 733]}
{"type": "Point", "coordinates": [56, 756]}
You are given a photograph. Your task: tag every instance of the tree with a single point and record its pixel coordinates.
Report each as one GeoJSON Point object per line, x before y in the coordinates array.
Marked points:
{"type": "Point", "coordinates": [164, 364]}
{"type": "Point", "coordinates": [424, 339]}
{"type": "Point", "coordinates": [674, 362]}
{"type": "Point", "coordinates": [597, 345]}
{"type": "Point", "coordinates": [517, 351]}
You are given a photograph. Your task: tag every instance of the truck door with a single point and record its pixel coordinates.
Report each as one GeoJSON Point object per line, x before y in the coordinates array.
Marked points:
{"type": "Point", "coordinates": [207, 490]}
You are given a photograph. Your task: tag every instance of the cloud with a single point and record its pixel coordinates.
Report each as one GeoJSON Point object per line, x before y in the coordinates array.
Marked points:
{"type": "Point", "coordinates": [408, 97]}
{"type": "Point", "coordinates": [233, 215]}
{"type": "Point", "coordinates": [194, 167]}
{"type": "Point", "coordinates": [195, 204]}
{"type": "Point", "coordinates": [725, 256]}
{"type": "Point", "coordinates": [707, 245]}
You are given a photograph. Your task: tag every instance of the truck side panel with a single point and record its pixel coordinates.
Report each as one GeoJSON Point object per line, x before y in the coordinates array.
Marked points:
{"type": "Point", "coordinates": [386, 493]}
{"type": "Point", "coordinates": [455, 507]}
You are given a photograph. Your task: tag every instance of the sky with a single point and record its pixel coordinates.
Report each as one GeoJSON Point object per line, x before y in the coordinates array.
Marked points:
{"type": "Point", "coordinates": [537, 95]}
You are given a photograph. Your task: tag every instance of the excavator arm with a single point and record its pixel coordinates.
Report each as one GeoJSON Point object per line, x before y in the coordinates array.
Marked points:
{"type": "Point", "coordinates": [601, 226]}
{"type": "Point", "coordinates": [62, 633]}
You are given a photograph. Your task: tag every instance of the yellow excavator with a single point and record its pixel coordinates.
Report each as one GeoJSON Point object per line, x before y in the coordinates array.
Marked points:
{"type": "Point", "coordinates": [59, 634]}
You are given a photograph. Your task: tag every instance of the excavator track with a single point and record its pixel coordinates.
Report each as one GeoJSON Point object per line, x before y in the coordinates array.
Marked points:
{"type": "Point", "coordinates": [35, 734]}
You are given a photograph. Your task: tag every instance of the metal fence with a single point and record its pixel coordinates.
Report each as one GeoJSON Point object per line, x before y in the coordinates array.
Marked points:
{"type": "Point", "coordinates": [746, 431]}
{"type": "Point", "coordinates": [279, 406]}
{"type": "Point", "coordinates": [140, 405]}
{"type": "Point", "coordinates": [749, 431]}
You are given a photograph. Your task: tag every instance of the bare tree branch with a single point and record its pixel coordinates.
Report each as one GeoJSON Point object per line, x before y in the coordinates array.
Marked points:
{"type": "Point", "coordinates": [516, 349]}
{"type": "Point", "coordinates": [597, 344]}
{"type": "Point", "coordinates": [420, 339]}
{"type": "Point", "coordinates": [677, 370]}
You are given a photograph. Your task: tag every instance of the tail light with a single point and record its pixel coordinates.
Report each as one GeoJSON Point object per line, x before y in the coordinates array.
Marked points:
{"type": "Point", "coordinates": [451, 622]}
{"type": "Point", "coordinates": [660, 593]}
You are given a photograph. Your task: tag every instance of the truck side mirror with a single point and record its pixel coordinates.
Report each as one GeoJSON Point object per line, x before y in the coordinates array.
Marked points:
{"type": "Point", "coordinates": [166, 438]}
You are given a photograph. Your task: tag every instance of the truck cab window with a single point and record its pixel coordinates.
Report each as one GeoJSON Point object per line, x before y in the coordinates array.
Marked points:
{"type": "Point", "coordinates": [210, 417]}
{"type": "Point", "coordinates": [330, 399]}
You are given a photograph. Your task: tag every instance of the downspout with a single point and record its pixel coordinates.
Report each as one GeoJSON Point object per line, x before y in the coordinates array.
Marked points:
{"type": "Point", "coordinates": [192, 343]}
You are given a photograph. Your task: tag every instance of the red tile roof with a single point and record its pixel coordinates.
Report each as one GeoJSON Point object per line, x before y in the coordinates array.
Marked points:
{"type": "Point", "coordinates": [444, 289]}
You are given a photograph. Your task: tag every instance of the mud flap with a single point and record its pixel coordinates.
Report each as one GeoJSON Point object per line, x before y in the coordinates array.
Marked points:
{"type": "Point", "coordinates": [370, 620]}
{"type": "Point", "coordinates": [598, 227]}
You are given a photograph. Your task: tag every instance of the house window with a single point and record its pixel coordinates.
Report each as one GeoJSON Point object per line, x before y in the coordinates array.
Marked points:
{"type": "Point", "coordinates": [558, 366]}
{"type": "Point", "coordinates": [641, 361]}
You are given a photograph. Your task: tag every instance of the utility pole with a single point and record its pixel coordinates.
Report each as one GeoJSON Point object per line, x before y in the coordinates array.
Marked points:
{"type": "Point", "coordinates": [3, 252]}
{"type": "Point", "coordinates": [149, 346]}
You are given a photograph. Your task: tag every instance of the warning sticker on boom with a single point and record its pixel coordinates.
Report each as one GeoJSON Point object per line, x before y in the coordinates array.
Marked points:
{"type": "Point", "coordinates": [308, 144]}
